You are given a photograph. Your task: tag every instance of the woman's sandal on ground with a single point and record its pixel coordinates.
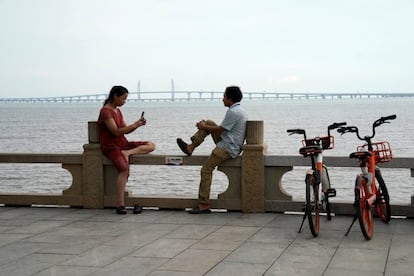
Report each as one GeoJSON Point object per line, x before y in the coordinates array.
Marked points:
{"type": "Point", "coordinates": [121, 210]}
{"type": "Point", "coordinates": [197, 211]}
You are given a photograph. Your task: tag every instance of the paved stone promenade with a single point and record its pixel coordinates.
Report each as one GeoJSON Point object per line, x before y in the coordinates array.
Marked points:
{"type": "Point", "coordinates": [63, 241]}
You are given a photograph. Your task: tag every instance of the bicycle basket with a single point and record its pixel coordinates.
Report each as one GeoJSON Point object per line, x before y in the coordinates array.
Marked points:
{"type": "Point", "coordinates": [327, 142]}
{"type": "Point", "coordinates": [382, 151]}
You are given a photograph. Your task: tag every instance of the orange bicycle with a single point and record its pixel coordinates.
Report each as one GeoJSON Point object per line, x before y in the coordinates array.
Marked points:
{"type": "Point", "coordinates": [367, 194]}
{"type": "Point", "coordinates": [317, 195]}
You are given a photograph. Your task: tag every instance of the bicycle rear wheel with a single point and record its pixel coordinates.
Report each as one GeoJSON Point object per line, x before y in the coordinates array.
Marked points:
{"type": "Point", "coordinates": [312, 203]}
{"type": "Point", "coordinates": [364, 211]}
{"type": "Point", "coordinates": [382, 204]}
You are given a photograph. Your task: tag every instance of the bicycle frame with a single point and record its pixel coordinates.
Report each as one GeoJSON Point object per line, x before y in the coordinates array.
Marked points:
{"type": "Point", "coordinates": [316, 164]}
{"type": "Point", "coordinates": [367, 193]}
{"type": "Point", "coordinates": [368, 172]}
{"type": "Point", "coordinates": [313, 178]}
{"type": "Point", "coordinates": [316, 176]}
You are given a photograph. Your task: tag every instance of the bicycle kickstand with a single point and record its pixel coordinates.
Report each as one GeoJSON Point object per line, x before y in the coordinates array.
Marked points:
{"type": "Point", "coordinates": [303, 220]}
{"type": "Point", "coordinates": [349, 229]}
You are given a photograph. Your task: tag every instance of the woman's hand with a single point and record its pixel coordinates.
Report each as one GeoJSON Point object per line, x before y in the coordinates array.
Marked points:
{"type": "Point", "coordinates": [140, 122]}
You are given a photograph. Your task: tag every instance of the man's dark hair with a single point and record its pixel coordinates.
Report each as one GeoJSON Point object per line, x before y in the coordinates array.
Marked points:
{"type": "Point", "coordinates": [234, 93]}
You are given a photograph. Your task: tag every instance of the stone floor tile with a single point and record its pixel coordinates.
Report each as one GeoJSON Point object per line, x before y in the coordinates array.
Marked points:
{"type": "Point", "coordinates": [226, 238]}
{"type": "Point", "coordinates": [130, 266]}
{"type": "Point", "coordinates": [278, 235]}
{"type": "Point", "coordinates": [285, 221]}
{"type": "Point", "coordinates": [364, 260]}
{"type": "Point", "coordinates": [379, 241]}
{"type": "Point", "coordinates": [173, 273]}
{"type": "Point", "coordinates": [195, 260]}
{"type": "Point", "coordinates": [347, 272]}
{"type": "Point", "coordinates": [32, 263]}
{"type": "Point", "coordinates": [17, 250]}
{"type": "Point", "coordinates": [139, 237]}
{"type": "Point", "coordinates": [401, 255]}
{"type": "Point", "coordinates": [100, 256]}
{"type": "Point", "coordinates": [193, 231]}
{"type": "Point", "coordinates": [253, 219]}
{"type": "Point", "coordinates": [7, 238]}
{"type": "Point", "coordinates": [256, 252]}
{"type": "Point", "coordinates": [237, 268]}
{"type": "Point", "coordinates": [288, 264]}
{"type": "Point", "coordinates": [39, 226]}
{"type": "Point", "coordinates": [63, 270]}
{"type": "Point", "coordinates": [164, 248]}
{"type": "Point", "coordinates": [73, 246]}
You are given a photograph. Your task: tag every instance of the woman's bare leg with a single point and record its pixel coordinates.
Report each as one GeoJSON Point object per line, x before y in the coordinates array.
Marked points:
{"type": "Point", "coordinates": [123, 176]}
{"type": "Point", "coordinates": [143, 149]}
{"type": "Point", "coordinates": [120, 185]}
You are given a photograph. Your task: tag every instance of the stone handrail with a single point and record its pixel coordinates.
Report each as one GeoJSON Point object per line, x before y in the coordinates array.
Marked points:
{"type": "Point", "coordinates": [275, 197]}
{"type": "Point", "coordinates": [254, 179]}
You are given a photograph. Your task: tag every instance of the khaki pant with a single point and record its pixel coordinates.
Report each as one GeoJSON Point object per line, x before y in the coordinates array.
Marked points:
{"type": "Point", "coordinates": [216, 157]}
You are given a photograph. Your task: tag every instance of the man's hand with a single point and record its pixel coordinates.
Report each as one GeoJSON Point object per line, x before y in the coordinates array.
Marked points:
{"type": "Point", "coordinates": [201, 125]}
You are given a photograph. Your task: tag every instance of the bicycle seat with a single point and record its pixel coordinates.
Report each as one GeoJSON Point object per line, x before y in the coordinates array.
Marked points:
{"type": "Point", "coordinates": [310, 150]}
{"type": "Point", "coordinates": [360, 155]}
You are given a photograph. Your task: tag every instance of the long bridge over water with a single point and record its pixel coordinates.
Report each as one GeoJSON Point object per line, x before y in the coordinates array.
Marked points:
{"type": "Point", "coordinates": [204, 96]}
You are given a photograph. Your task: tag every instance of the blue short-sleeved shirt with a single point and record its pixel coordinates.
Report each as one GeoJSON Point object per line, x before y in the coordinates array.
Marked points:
{"type": "Point", "coordinates": [233, 137]}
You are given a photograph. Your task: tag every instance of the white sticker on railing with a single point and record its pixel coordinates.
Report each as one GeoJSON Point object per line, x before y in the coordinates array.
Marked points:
{"type": "Point", "coordinates": [172, 160]}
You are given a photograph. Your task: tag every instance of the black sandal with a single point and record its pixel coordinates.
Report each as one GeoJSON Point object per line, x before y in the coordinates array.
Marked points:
{"type": "Point", "coordinates": [183, 146]}
{"type": "Point", "coordinates": [137, 209]}
{"type": "Point", "coordinates": [121, 210]}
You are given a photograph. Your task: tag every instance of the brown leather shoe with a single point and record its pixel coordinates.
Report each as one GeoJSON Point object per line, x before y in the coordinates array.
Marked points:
{"type": "Point", "coordinates": [197, 211]}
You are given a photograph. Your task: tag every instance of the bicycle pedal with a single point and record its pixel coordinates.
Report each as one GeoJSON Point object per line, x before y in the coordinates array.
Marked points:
{"type": "Point", "coordinates": [331, 192]}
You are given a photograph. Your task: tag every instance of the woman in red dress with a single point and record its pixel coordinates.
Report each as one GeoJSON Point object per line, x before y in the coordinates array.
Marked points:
{"type": "Point", "coordinates": [114, 145]}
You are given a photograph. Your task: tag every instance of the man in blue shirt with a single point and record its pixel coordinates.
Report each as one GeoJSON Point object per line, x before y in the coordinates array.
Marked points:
{"type": "Point", "coordinates": [229, 137]}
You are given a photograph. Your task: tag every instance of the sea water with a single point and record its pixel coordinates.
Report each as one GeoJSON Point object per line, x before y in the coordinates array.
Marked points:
{"type": "Point", "coordinates": [62, 128]}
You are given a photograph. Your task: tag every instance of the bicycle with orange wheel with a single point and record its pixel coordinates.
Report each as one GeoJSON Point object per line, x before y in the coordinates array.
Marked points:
{"type": "Point", "coordinates": [369, 195]}
{"type": "Point", "coordinates": [318, 186]}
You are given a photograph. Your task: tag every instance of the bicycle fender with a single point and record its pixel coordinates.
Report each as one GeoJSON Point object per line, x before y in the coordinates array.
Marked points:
{"type": "Point", "coordinates": [357, 182]}
{"type": "Point", "coordinates": [309, 172]}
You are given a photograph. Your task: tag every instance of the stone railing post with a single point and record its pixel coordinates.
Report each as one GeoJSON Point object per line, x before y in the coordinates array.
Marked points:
{"type": "Point", "coordinates": [412, 196]}
{"type": "Point", "coordinates": [93, 174]}
{"type": "Point", "coordinates": [253, 176]}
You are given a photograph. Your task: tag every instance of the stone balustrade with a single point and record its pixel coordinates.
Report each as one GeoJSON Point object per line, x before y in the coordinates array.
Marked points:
{"type": "Point", "coordinates": [254, 179]}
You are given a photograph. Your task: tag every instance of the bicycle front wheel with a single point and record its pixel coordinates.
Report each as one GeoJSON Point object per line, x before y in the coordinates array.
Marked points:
{"type": "Point", "coordinates": [382, 204]}
{"type": "Point", "coordinates": [364, 211]}
{"type": "Point", "coordinates": [312, 203]}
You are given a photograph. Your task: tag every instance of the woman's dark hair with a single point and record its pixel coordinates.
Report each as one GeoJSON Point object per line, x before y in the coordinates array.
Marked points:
{"type": "Point", "coordinates": [234, 93]}
{"type": "Point", "coordinates": [116, 90]}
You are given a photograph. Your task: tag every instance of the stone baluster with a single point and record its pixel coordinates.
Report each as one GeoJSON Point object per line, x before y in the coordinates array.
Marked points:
{"type": "Point", "coordinates": [253, 175]}
{"type": "Point", "coordinates": [93, 171]}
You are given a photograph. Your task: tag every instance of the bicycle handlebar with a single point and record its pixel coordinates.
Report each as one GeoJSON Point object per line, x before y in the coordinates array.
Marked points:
{"type": "Point", "coordinates": [295, 131]}
{"type": "Point", "coordinates": [383, 120]}
{"type": "Point", "coordinates": [302, 131]}
{"type": "Point", "coordinates": [380, 121]}
{"type": "Point", "coordinates": [336, 125]}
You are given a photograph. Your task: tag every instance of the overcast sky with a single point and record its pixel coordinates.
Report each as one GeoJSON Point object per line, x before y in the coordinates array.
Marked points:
{"type": "Point", "coordinates": [76, 47]}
